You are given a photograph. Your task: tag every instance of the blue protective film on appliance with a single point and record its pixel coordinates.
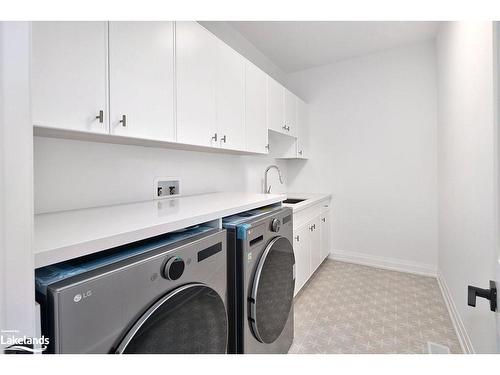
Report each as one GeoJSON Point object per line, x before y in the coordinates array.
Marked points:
{"type": "Point", "coordinates": [50, 274]}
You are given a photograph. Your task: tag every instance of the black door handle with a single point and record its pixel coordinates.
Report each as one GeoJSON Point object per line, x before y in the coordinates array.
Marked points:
{"type": "Point", "coordinates": [489, 294]}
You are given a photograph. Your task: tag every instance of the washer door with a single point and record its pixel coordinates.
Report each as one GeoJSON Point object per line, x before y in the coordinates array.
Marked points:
{"type": "Point", "coordinates": [189, 320]}
{"type": "Point", "coordinates": [272, 291]}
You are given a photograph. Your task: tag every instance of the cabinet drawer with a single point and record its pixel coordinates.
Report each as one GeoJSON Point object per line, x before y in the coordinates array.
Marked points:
{"type": "Point", "coordinates": [306, 215]}
{"type": "Point", "coordinates": [302, 217]}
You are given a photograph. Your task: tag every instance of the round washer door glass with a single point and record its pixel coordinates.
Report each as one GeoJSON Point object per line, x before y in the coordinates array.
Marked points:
{"type": "Point", "coordinates": [272, 291]}
{"type": "Point", "coordinates": [189, 320]}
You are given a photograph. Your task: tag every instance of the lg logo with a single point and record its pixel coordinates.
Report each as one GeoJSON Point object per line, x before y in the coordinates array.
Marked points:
{"type": "Point", "coordinates": [78, 297]}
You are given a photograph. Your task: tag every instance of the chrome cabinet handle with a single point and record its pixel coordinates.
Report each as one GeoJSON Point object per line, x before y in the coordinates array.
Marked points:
{"type": "Point", "coordinates": [123, 121]}
{"type": "Point", "coordinates": [323, 220]}
{"type": "Point", "coordinates": [297, 238]}
{"type": "Point", "coordinates": [223, 139]}
{"type": "Point", "coordinates": [288, 128]}
{"type": "Point", "coordinates": [300, 152]}
{"type": "Point", "coordinates": [100, 116]}
{"type": "Point", "coordinates": [214, 137]}
{"type": "Point", "coordinates": [267, 146]}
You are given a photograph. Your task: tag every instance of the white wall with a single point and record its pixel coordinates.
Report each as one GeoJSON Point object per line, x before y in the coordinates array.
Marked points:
{"type": "Point", "coordinates": [16, 179]}
{"type": "Point", "coordinates": [373, 146]}
{"type": "Point", "coordinates": [74, 174]}
{"type": "Point", "coordinates": [467, 170]}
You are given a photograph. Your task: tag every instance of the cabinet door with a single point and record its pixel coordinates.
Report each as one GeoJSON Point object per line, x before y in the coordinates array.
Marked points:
{"type": "Point", "coordinates": [290, 113]}
{"type": "Point", "coordinates": [302, 257]}
{"type": "Point", "coordinates": [302, 130]}
{"type": "Point", "coordinates": [325, 231]}
{"type": "Point", "coordinates": [196, 50]}
{"type": "Point", "coordinates": [315, 243]}
{"type": "Point", "coordinates": [69, 75]}
{"type": "Point", "coordinates": [255, 109]}
{"type": "Point", "coordinates": [230, 98]}
{"type": "Point", "coordinates": [275, 106]}
{"type": "Point", "coordinates": [141, 73]}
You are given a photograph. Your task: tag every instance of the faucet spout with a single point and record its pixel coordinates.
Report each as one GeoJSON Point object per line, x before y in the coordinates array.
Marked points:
{"type": "Point", "coordinates": [267, 190]}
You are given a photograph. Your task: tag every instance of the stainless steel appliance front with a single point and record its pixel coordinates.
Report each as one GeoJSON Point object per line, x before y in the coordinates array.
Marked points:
{"type": "Point", "coordinates": [261, 279]}
{"type": "Point", "coordinates": [168, 300]}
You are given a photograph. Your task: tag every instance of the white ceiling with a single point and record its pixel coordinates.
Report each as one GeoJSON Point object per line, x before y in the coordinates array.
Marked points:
{"type": "Point", "coordinates": [298, 45]}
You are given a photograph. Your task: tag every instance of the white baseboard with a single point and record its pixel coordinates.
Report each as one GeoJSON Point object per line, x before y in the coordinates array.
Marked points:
{"type": "Point", "coordinates": [458, 324]}
{"type": "Point", "coordinates": [384, 262]}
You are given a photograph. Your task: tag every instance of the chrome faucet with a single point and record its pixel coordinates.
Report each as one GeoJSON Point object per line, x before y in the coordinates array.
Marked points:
{"type": "Point", "coordinates": [266, 189]}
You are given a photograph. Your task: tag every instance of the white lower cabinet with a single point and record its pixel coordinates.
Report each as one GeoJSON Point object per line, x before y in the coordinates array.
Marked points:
{"type": "Point", "coordinates": [311, 243]}
{"type": "Point", "coordinates": [325, 233]}
{"type": "Point", "coordinates": [315, 244]}
{"type": "Point", "coordinates": [302, 257]}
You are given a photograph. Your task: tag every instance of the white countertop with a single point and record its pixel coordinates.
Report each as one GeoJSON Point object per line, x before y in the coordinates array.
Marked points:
{"type": "Point", "coordinates": [310, 199]}
{"type": "Point", "coordinates": [64, 235]}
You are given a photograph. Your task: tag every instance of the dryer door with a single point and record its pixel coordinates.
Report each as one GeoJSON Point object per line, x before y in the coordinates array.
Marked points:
{"type": "Point", "coordinates": [272, 291]}
{"type": "Point", "coordinates": [189, 320]}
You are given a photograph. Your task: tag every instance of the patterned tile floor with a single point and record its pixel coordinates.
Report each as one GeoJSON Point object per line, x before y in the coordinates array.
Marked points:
{"type": "Point", "coordinates": [349, 308]}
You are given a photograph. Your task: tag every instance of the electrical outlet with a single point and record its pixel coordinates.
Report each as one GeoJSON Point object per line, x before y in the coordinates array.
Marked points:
{"type": "Point", "coordinates": [166, 187]}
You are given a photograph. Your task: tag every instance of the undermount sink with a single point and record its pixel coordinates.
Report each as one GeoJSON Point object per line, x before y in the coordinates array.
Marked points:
{"type": "Point", "coordinates": [293, 201]}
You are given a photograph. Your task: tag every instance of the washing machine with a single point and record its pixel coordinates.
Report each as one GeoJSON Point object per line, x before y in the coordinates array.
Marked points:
{"type": "Point", "coordinates": [163, 295]}
{"type": "Point", "coordinates": [261, 280]}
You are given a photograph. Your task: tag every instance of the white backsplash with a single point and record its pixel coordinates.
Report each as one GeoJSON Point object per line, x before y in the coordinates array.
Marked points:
{"type": "Point", "coordinates": [74, 174]}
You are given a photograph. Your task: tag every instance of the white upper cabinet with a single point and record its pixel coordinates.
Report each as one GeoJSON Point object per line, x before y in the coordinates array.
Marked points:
{"type": "Point", "coordinates": [255, 109]}
{"type": "Point", "coordinates": [196, 54]}
{"type": "Point", "coordinates": [282, 109]}
{"type": "Point", "coordinates": [159, 81]}
{"type": "Point", "coordinates": [302, 130]}
{"type": "Point", "coordinates": [230, 98]}
{"type": "Point", "coordinates": [69, 75]}
{"type": "Point", "coordinates": [141, 79]}
{"type": "Point", "coordinates": [295, 145]}
{"type": "Point", "coordinates": [275, 106]}
{"type": "Point", "coordinates": [290, 112]}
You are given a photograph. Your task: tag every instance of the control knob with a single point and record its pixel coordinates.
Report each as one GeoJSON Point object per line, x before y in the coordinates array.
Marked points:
{"type": "Point", "coordinates": [174, 268]}
{"type": "Point", "coordinates": [275, 225]}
